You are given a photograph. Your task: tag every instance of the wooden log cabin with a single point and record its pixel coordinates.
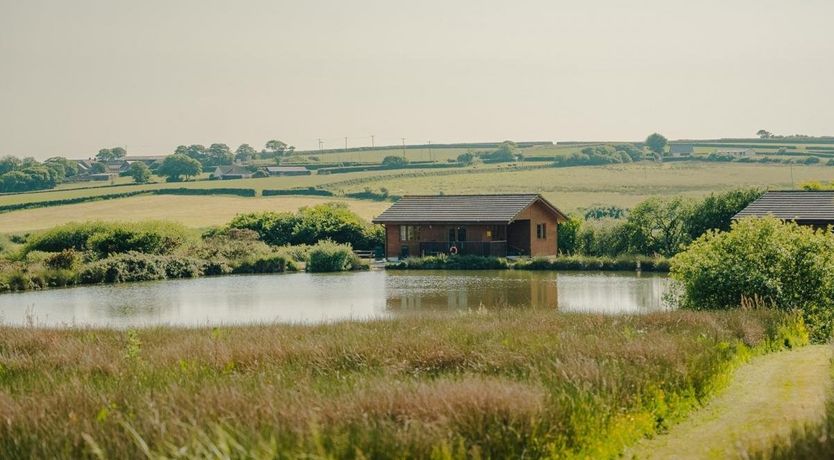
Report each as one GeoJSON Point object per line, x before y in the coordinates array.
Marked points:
{"type": "Point", "coordinates": [483, 225]}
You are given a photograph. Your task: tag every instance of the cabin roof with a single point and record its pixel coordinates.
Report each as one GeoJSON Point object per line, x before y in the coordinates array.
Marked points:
{"type": "Point", "coordinates": [798, 205]}
{"type": "Point", "coordinates": [462, 209]}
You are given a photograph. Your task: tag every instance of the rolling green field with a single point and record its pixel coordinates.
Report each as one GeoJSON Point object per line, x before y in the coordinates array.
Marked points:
{"type": "Point", "coordinates": [193, 211]}
{"type": "Point", "coordinates": [583, 186]}
{"type": "Point", "coordinates": [571, 189]}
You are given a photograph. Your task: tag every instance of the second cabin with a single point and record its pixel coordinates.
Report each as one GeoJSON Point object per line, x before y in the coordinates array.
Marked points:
{"type": "Point", "coordinates": [483, 225]}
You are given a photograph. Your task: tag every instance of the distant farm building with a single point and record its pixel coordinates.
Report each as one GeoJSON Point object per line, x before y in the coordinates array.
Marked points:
{"type": "Point", "coordinates": [814, 208]}
{"type": "Point", "coordinates": [288, 171]}
{"type": "Point", "coordinates": [116, 167]}
{"type": "Point", "coordinates": [736, 153]}
{"type": "Point", "coordinates": [149, 160]}
{"type": "Point", "coordinates": [231, 172]}
{"type": "Point", "coordinates": [681, 150]}
{"type": "Point", "coordinates": [483, 225]}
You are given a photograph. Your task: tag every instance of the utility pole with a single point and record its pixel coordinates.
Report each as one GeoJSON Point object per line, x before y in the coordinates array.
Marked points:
{"type": "Point", "coordinates": [320, 144]}
{"type": "Point", "coordinates": [345, 143]}
{"type": "Point", "coordinates": [372, 141]}
{"type": "Point", "coordinates": [403, 139]}
{"type": "Point", "coordinates": [431, 157]}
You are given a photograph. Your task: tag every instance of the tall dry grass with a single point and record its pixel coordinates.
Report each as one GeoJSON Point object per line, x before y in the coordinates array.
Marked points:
{"type": "Point", "coordinates": [494, 385]}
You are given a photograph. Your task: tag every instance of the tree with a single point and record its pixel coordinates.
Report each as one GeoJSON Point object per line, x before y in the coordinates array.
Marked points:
{"type": "Point", "coordinates": [219, 154]}
{"type": "Point", "coordinates": [97, 168]}
{"type": "Point", "coordinates": [140, 172]}
{"type": "Point", "coordinates": [245, 153]}
{"type": "Point", "coordinates": [656, 143]}
{"type": "Point", "coordinates": [658, 226]}
{"type": "Point", "coordinates": [176, 166]}
{"type": "Point", "coordinates": [394, 161]}
{"type": "Point", "coordinates": [764, 134]}
{"type": "Point", "coordinates": [195, 151]}
{"type": "Point", "coordinates": [70, 167]}
{"type": "Point", "coordinates": [466, 158]}
{"type": "Point", "coordinates": [116, 153]}
{"type": "Point", "coordinates": [9, 164]}
{"type": "Point", "coordinates": [276, 147]}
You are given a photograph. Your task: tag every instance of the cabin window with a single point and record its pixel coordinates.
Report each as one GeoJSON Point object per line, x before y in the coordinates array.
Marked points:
{"type": "Point", "coordinates": [409, 233]}
{"type": "Point", "coordinates": [541, 231]}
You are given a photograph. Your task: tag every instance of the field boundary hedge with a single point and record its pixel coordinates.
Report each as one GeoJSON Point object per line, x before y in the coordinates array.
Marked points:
{"type": "Point", "coordinates": [112, 196]}
{"type": "Point", "coordinates": [297, 191]}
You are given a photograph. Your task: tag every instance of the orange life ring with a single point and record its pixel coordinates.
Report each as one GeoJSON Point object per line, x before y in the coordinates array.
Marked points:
{"type": "Point", "coordinates": [453, 250]}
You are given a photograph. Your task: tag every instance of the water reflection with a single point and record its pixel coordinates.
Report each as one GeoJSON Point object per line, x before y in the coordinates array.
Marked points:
{"type": "Point", "coordinates": [312, 298]}
{"type": "Point", "coordinates": [565, 291]}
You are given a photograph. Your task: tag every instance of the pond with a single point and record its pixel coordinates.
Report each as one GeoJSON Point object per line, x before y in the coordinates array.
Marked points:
{"type": "Point", "coordinates": [311, 298]}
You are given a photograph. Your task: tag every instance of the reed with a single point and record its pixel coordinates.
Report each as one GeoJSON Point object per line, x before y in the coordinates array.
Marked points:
{"type": "Point", "coordinates": [504, 384]}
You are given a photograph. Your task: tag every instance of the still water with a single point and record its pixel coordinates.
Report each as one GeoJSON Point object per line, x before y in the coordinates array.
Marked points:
{"type": "Point", "coordinates": [310, 298]}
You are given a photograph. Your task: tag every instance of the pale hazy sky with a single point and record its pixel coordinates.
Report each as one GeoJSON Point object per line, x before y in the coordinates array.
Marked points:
{"type": "Point", "coordinates": [79, 75]}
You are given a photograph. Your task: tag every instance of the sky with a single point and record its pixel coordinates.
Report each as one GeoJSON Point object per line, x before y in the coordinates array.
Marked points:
{"type": "Point", "coordinates": [77, 76]}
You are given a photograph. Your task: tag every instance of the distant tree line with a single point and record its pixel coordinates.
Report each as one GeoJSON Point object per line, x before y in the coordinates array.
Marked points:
{"type": "Point", "coordinates": [27, 174]}
{"type": "Point", "coordinates": [220, 154]}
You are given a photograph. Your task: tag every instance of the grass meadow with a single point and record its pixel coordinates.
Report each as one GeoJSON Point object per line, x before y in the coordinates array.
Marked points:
{"type": "Point", "coordinates": [193, 211]}
{"type": "Point", "coordinates": [569, 188]}
{"type": "Point", "coordinates": [505, 384]}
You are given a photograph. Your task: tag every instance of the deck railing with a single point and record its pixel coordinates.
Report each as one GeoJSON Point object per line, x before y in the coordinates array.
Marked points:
{"type": "Point", "coordinates": [474, 248]}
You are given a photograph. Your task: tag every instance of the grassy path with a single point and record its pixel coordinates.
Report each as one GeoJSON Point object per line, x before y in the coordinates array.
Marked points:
{"type": "Point", "coordinates": [767, 397]}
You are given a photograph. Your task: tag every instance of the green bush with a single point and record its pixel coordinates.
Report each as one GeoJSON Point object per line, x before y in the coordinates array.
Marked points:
{"type": "Point", "coordinates": [18, 280]}
{"type": "Point", "coordinates": [586, 263]}
{"type": "Point", "coordinates": [68, 236]}
{"type": "Point", "coordinates": [444, 262]}
{"type": "Point", "coordinates": [59, 277]}
{"type": "Point", "coordinates": [67, 259]}
{"type": "Point", "coordinates": [334, 221]}
{"type": "Point", "coordinates": [135, 266]}
{"type": "Point", "coordinates": [764, 261]}
{"type": "Point", "coordinates": [105, 238]}
{"type": "Point", "coordinates": [329, 256]}
{"type": "Point", "coordinates": [270, 263]}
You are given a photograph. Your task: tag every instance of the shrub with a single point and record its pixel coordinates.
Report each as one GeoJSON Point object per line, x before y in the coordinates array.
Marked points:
{"type": "Point", "coordinates": [778, 263]}
{"type": "Point", "coordinates": [18, 280]}
{"type": "Point", "coordinates": [328, 256]}
{"type": "Point", "coordinates": [600, 155]}
{"type": "Point", "coordinates": [59, 277]}
{"type": "Point", "coordinates": [270, 263]}
{"type": "Point", "coordinates": [68, 236]}
{"type": "Point", "coordinates": [334, 221]}
{"type": "Point", "coordinates": [444, 262]}
{"type": "Point", "coordinates": [67, 259]}
{"type": "Point", "coordinates": [108, 238]}
{"type": "Point", "coordinates": [393, 161]}
{"type": "Point", "coordinates": [121, 239]}
{"type": "Point", "coordinates": [135, 266]}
